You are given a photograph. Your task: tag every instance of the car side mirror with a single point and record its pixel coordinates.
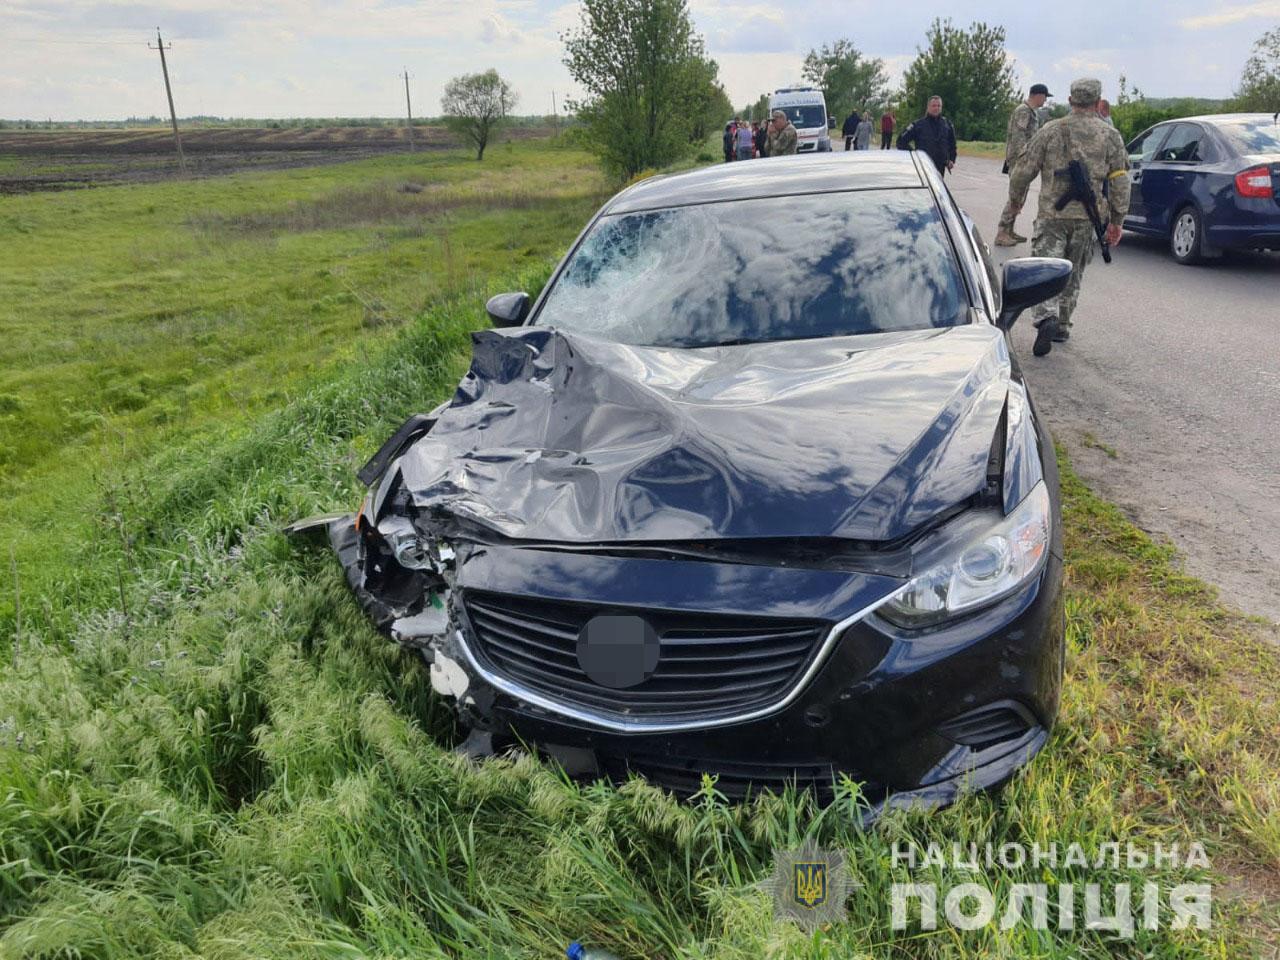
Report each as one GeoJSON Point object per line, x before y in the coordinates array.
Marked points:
{"type": "Point", "coordinates": [1028, 281]}
{"type": "Point", "coordinates": [508, 309]}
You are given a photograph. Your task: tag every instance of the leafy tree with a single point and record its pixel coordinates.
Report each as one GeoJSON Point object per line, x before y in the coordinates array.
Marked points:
{"type": "Point", "coordinates": [755, 110]}
{"type": "Point", "coordinates": [760, 109]}
{"type": "Point", "coordinates": [648, 86]}
{"type": "Point", "coordinates": [711, 105]}
{"type": "Point", "coordinates": [1132, 113]}
{"type": "Point", "coordinates": [972, 73]}
{"type": "Point", "coordinates": [476, 105]}
{"type": "Point", "coordinates": [1260, 80]}
{"type": "Point", "coordinates": [847, 78]}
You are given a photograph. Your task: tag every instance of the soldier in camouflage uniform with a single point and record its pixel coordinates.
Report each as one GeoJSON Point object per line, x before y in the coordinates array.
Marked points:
{"type": "Point", "coordinates": [1068, 233]}
{"type": "Point", "coordinates": [1023, 124]}
{"type": "Point", "coordinates": [783, 139]}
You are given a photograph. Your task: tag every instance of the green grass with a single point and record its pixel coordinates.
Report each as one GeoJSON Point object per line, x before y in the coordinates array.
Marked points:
{"type": "Point", "coordinates": [206, 750]}
{"type": "Point", "coordinates": [980, 148]}
{"type": "Point", "coordinates": [136, 315]}
{"type": "Point", "coordinates": [1093, 443]}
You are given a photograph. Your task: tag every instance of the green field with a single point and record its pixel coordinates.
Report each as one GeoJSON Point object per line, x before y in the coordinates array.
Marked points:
{"type": "Point", "coordinates": [137, 316]}
{"type": "Point", "coordinates": [206, 751]}
{"type": "Point", "coordinates": [980, 148]}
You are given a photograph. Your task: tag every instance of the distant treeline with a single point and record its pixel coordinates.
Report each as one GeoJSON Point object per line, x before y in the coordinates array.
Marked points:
{"type": "Point", "coordinates": [272, 123]}
{"type": "Point", "coordinates": [1133, 112]}
{"type": "Point", "coordinates": [1198, 105]}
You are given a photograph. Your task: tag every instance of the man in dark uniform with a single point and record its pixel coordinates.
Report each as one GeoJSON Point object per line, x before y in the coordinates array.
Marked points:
{"type": "Point", "coordinates": [934, 135]}
{"type": "Point", "coordinates": [850, 128]}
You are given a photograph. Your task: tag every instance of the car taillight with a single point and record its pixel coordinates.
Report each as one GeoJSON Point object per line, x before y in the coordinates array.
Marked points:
{"type": "Point", "coordinates": [1254, 182]}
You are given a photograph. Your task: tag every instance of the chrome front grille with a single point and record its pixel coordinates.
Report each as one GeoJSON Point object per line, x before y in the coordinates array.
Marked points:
{"type": "Point", "coordinates": [709, 665]}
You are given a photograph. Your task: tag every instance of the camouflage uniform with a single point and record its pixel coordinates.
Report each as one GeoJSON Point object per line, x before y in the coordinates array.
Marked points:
{"type": "Point", "coordinates": [783, 142]}
{"type": "Point", "coordinates": [1068, 233]}
{"type": "Point", "coordinates": [1023, 124]}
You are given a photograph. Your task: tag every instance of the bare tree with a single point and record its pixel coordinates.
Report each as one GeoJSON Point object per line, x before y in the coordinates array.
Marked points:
{"type": "Point", "coordinates": [475, 106]}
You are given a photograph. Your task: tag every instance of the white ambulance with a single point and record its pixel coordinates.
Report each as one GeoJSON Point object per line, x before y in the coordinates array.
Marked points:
{"type": "Point", "coordinates": [806, 108]}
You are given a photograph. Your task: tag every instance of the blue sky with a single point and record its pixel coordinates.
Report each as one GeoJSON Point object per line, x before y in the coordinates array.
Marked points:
{"type": "Point", "coordinates": [74, 59]}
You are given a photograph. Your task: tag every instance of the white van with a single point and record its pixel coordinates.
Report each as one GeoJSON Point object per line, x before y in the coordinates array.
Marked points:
{"type": "Point", "coordinates": [806, 108]}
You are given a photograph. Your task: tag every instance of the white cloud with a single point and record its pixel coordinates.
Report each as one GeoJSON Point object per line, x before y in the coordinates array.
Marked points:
{"type": "Point", "coordinates": [1231, 14]}
{"type": "Point", "coordinates": [341, 57]}
{"type": "Point", "coordinates": [495, 28]}
{"type": "Point", "coordinates": [758, 33]}
{"type": "Point", "coordinates": [747, 75]}
{"type": "Point", "coordinates": [1082, 66]}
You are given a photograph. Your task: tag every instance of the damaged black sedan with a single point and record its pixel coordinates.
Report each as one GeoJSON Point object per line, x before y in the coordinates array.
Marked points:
{"type": "Point", "coordinates": [754, 489]}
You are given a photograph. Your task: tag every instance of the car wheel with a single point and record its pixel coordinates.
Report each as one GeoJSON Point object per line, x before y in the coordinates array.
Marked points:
{"type": "Point", "coordinates": [1186, 237]}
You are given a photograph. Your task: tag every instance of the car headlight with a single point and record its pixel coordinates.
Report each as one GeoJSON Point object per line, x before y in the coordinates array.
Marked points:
{"type": "Point", "coordinates": [973, 561]}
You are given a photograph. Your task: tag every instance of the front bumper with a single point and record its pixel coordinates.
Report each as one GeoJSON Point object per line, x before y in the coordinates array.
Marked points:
{"type": "Point", "coordinates": [920, 714]}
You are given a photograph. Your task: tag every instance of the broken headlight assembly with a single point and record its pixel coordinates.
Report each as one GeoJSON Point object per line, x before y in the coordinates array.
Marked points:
{"type": "Point", "coordinates": [973, 561]}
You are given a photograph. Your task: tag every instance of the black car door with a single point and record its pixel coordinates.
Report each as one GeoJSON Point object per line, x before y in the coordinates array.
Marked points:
{"type": "Point", "coordinates": [1142, 150]}
{"type": "Point", "coordinates": [1167, 180]}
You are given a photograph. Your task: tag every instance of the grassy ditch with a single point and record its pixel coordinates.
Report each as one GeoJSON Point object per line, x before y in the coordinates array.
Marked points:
{"type": "Point", "coordinates": [213, 754]}
{"type": "Point", "coordinates": [137, 316]}
{"type": "Point", "coordinates": [980, 148]}
{"type": "Point", "coordinates": [205, 750]}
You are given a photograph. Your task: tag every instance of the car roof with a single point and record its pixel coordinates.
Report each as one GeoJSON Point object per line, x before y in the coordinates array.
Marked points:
{"type": "Point", "coordinates": [772, 177]}
{"type": "Point", "coordinates": [1225, 118]}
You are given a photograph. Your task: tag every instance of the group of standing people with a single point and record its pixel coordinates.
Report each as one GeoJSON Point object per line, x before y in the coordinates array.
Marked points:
{"type": "Point", "coordinates": [858, 126]}
{"type": "Point", "coordinates": [745, 141]}
{"type": "Point", "coordinates": [1035, 145]}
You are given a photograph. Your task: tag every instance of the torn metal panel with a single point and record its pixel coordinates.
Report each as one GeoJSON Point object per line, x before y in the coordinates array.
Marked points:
{"type": "Point", "coordinates": [562, 438]}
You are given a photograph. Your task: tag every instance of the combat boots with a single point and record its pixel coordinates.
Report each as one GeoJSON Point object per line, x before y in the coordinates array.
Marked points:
{"type": "Point", "coordinates": [1046, 335]}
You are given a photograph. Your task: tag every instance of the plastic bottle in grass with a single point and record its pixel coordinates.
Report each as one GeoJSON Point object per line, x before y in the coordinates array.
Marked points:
{"type": "Point", "coordinates": [577, 951]}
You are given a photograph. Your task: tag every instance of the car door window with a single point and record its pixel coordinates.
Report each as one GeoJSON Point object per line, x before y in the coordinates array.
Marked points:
{"type": "Point", "coordinates": [1183, 144]}
{"type": "Point", "coordinates": [1143, 149]}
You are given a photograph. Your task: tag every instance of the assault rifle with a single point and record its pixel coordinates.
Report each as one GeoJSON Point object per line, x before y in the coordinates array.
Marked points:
{"type": "Point", "coordinates": [1081, 189]}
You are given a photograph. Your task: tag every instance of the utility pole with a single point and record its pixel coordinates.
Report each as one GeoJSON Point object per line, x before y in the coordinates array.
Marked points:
{"type": "Point", "coordinates": [168, 92]}
{"type": "Point", "coordinates": [407, 108]}
{"type": "Point", "coordinates": [555, 116]}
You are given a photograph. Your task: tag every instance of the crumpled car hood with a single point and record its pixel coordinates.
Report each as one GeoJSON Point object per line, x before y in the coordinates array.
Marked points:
{"type": "Point", "coordinates": [560, 437]}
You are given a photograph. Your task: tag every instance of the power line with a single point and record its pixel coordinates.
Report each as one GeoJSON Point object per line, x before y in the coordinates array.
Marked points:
{"type": "Point", "coordinates": [408, 112]}
{"type": "Point", "coordinates": [173, 114]}
{"type": "Point", "coordinates": [102, 43]}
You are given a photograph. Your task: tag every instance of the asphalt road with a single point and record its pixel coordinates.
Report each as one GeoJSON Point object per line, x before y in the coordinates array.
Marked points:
{"type": "Point", "coordinates": [1167, 395]}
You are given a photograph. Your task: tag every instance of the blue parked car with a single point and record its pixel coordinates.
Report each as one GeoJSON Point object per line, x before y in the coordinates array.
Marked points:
{"type": "Point", "coordinates": [1208, 184]}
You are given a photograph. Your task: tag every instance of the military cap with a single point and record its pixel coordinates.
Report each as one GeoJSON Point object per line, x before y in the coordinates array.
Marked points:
{"type": "Point", "coordinates": [1085, 92]}
{"type": "Point", "coordinates": [1040, 88]}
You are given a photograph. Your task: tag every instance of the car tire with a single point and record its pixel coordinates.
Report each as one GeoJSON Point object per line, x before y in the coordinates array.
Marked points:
{"type": "Point", "coordinates": [1186, 236]}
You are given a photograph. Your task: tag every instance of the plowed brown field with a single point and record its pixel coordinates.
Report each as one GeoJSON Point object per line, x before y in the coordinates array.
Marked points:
{"type": "Point", "coordinates": [61, 159]}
